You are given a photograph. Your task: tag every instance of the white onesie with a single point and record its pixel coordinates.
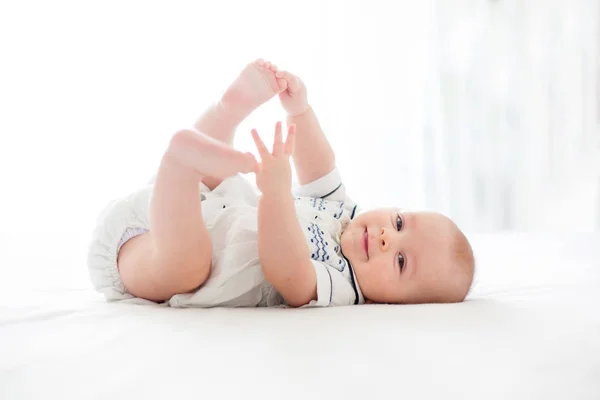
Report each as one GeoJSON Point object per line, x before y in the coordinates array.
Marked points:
{"type": "Point", "coordinates": [230, 214]}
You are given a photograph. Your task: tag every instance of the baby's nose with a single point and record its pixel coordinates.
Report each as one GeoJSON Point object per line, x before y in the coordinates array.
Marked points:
{"type": "Point", "coordinates": [384, 244]}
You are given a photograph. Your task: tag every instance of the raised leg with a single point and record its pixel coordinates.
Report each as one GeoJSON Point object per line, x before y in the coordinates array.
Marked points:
{"type": "Point", "coordinates": [255, 85]}
{"type": "Point", "coordinates": [175, 255]}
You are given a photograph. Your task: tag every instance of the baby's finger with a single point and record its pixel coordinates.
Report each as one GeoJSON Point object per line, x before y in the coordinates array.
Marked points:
{"type": "Point", "coordinates": [292, 80]}
{"type": "Point", "coordinates": [278, 142]}
{"type": "Point", "coordinates": [288, 148]}
{"type": "Point", "coordinates": [262, 149]}
{"type": "Point", "coordinates": [282, 85]}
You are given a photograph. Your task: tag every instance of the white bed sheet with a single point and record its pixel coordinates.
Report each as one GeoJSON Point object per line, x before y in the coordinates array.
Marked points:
{"type": "Point", "coordinates": [530, 330]}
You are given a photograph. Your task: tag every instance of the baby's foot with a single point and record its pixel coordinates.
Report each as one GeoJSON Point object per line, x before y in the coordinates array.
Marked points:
{"type": "Point", "coordinates": [294, 99]}
{"type": "Point", "coordinates": [207, 156]}
{"type": "Point", "coordinates": [255, 85]}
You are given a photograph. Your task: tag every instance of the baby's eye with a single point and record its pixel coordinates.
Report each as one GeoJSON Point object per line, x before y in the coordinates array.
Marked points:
{"type": "Point", "coordinates": [401, 262]}
{"type": "Point", "coordinates": [399, 223]}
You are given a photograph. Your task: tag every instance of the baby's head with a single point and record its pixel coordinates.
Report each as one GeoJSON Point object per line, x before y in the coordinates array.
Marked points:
{"type": "Point", "coordinates": [408, 257]}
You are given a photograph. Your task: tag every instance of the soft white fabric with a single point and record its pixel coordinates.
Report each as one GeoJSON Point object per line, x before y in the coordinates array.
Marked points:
{"type": "Point", "coordinates": [230, 214]}
{"type": "Point", "coordinates": [530, 330]}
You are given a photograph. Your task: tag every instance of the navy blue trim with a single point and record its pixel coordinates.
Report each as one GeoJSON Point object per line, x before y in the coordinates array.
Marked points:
{"type": "Point", "coordinates": [330, 286]}
{"type": "Point", "coordinates": [332, 192]}
{"type": "Point", "coordinates": [353, 282]}
{"type": "Point", "coordinates": [353, 211]}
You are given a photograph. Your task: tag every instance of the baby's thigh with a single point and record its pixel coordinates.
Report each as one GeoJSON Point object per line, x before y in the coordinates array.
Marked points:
{"type": "Point", "coordinates": [147, 274]}
{"type": "Point", "coordinates": [122, 260]}
{"type": "Point", "coordinates": [138, 270]}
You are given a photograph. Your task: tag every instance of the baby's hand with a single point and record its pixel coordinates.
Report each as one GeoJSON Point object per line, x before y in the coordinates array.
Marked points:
{"type": "Point", "coordinates": [294, 99]}
{"type": "Point", "coordinates": [274, 173]}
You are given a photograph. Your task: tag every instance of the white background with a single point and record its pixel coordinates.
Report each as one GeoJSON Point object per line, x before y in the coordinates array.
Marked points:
{"type": "Point", "coordinates": [484, 110]}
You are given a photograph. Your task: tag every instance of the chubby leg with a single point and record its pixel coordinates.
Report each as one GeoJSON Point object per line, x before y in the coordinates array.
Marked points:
{"type": "Point", "coordinates": [255, 85]}
{"type": "Point", "coordinates": [175, 255]}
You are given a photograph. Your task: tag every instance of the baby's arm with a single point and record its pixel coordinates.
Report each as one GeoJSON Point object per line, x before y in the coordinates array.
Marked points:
{"type": "Point", "coordinates": [313, 156]}
{"type": "Point", "coordinates": [283, 251]}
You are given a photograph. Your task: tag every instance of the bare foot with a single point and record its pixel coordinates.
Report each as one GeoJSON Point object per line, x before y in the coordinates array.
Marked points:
{"type": "Point", "coordinates": [197, 152]}
{"type": "Point", "coordinates": [255, 85]}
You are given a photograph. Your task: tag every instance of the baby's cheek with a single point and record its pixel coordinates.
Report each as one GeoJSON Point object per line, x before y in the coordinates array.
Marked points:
{"type": "Point", "coordinates": [377, 268]}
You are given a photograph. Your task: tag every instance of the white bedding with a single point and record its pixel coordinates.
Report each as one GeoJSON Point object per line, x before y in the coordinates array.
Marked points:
{"type": "Point", "coordinates": [531, 329]}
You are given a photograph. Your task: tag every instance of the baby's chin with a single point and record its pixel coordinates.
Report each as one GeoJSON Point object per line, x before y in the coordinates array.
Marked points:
{"type": "Point", "coordinates": [347, 244]}
{"type": "Point", "coordinates": [344, 238]}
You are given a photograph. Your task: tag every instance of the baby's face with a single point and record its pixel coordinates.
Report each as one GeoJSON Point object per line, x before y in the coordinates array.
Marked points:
{"type": "Point", "coordinates": [408, 257]}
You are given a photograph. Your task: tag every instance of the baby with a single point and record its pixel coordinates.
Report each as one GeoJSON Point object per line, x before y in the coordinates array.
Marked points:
{"type": "Point", "coordinates": [200, 236]}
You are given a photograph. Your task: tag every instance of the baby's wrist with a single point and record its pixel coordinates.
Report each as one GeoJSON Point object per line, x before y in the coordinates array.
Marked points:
{"type": "Point", "coordinates": [301, 113]}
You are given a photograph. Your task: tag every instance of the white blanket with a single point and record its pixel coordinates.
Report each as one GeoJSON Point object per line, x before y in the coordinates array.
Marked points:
{"type": "Point", "coordinates": [531, 329]}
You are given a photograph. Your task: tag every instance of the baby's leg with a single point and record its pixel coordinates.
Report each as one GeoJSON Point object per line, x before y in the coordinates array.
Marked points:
{"type": "Point", "coordinates": [175, 255]}
{"type": "Point", "coordinates": [255, 85]}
